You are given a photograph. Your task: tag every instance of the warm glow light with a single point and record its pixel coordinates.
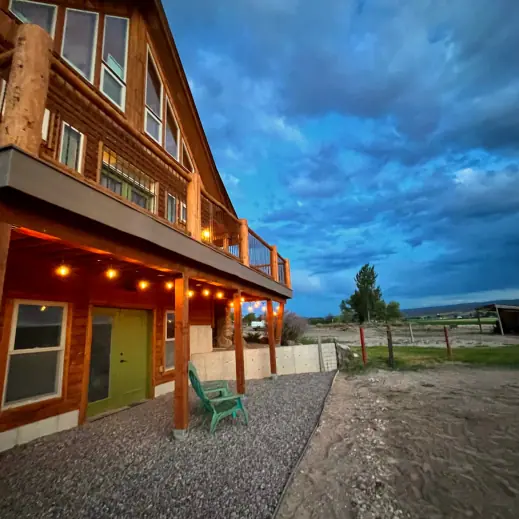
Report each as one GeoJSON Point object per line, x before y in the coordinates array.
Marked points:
{"type": "Point", "coordinates": [111, 273]}
{"type": "Point", "coordinates": [63, 271]}
{"type": "Point", "coordinates": [256, 304]}
{"type": "Point", "coordinates": [206, 234]}
{"type": "Point", "coordinates": [250, 309]}
{"type": "Point", "coordinates": [231, 305]}
{"type": "Point", "coordinates": [219, 295]}
{"type": "Point", "coordinates": [143, 285]}
{"type": "Point", "coordinates": [275, 313]}
{"type": "Point", "coordinates": [190, 293]}
{"type": "Point", "coordinates": [169, 285]}
{"type": "Point", "coordinates": [43, 308]}
{"type": "Point", "coordinates": [242, 300]}
{"type": "Point", "coordinates": [206, 293]}
{"type": "Point", "coordinates": [264, 309]}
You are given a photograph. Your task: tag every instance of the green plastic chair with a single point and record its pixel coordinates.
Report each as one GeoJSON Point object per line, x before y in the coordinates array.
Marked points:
{"type": "Point", "coordinates": [218, 407]}
{"type": "Point", "coordinates": [212, 386]}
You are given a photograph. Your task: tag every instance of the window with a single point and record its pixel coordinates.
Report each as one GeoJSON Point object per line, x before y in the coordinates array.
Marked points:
{"type": "Point", "coordinates": [71, 153]}
{"type": "Point", "coordinates": [43, 15]}
{"type": "Point", "coordinates": [36, 351]}
{"type": "Point", "coordinates": [172, 134]}
{"type": "Point", "coordinates": [122, 178]}
{"type": "Point", "coordinates": [45, 125]}
{"type": "Point", "coordinates": [186, 161]}
{"type": "Point", "coordinates": [153, 101]}
{"type": "Point", "coordinates": [115, 52]}
{"type": "Point", "coordinates": [171, 208]}
{"type": "Point", "coordinates": [183, 212]}
{"type": "Point", "coordinates": [79, 41]}
{"type": "Point", "coordinates": [169, 349]}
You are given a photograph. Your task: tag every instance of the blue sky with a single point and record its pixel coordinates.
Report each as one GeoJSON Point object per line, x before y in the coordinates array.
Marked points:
{"type": "Point", "coordinates": [382, 131]}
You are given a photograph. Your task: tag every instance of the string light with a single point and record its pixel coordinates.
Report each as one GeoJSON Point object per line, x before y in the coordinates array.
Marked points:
{"type": "Point", "coordinates": [206, 292]}
{"type": "Point", "coordinates": [250, 309]}
{"type": "Point", "coordinates": [206, 234]}
{"type": "Point", "coordinates": [43, 308]}
{"type": "Point", "coordinates": [111, 273]}
{"type": "Point", "coordinates": [63, 270]}
{"type": "Point", "coordinates": [256, 304]}
{"type": "Point", "coordinates": [169, 285]}
{"type": "Point", "coordinates": [242, 300]}
{"type": "Point", "coordinates": [219, 295]}
{"type": "Point", "coordinates": [190, 293]}
{"type": "Point", "coordinates": [143, 285]}
{"type": "Point", "coordinates": [275, 313]}
{"type": "Point", "coordinates": [231, 304]}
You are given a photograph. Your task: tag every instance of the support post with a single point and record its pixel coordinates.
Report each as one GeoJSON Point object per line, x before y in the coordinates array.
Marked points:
{"type": "Point", "coordinates": [181, 402]}
{"type": "Point", "coordinates": [279, 322]}
{"type": "Point", "coordinates": [447, 342]}
{"type": "Point", "coordinates": [288, 278]}
{"type": "Point", "coordinates": [194, 207]}
{"type": "Point", "coordinates": [272, 339]}
{"type": "Point", "coordinates": [244, 242]}
{"type": "Point", "coordinates": [238, 344]}
{"type": "Point", "coordinates": [391, 358]}
{"type": "Point", "coordinates": [499, 321]}
{"type": "Point", "coordinates": [274, 265]}
{"type": "Point", "coordinates": [363, 347]}
{"type": "Point", "coordinates": [27, 89]}
{"type": "Point", "coordinates": [411, 332]}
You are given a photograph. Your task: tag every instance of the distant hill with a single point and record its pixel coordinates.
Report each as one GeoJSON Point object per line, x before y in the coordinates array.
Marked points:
{"type": "Point", "coordinates": [461, 307]}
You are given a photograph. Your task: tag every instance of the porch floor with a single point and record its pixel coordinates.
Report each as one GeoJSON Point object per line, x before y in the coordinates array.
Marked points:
{"type": "Point", "coordinates": [126, 465]}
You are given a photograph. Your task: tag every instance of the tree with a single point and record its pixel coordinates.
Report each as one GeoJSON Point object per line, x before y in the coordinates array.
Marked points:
{"type": "Point", "coordinates": [249, 318]}
{"type": "Point", "coordinates": [365, 298]}
{"type": "Point", "coordinates": [380, 311]}
{"type": "Point", "coordinates": [393, 312]}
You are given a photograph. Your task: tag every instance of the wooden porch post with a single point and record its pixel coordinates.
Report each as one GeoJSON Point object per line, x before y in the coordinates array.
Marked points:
{"type": "Point", "coordinates": [274, 265]}
{"type": "Point", "coordinates": [279, 322]}
{"type": "Point", "coordinates": [272, 339]}
{"type": "Point", "coordinates": [5, 238]}
{"type": "Point", "coordinates": [194, 207]}
{"type": "Point", "coordinates": [27, 89]}
{"type": "Point", "coordinates": [238, 344]}
{"type": "Point", "coordinates": [244, 242]}
{"type": "Point", "coordinates": [181, 403]}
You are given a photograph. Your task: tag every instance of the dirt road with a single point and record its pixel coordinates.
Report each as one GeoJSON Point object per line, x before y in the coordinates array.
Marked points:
{"type": "Point", "coordinates": [442, 443]}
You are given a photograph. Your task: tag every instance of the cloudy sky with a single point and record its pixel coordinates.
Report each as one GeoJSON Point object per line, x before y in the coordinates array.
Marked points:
{"type": "Point", "coordinates": [355, 131]}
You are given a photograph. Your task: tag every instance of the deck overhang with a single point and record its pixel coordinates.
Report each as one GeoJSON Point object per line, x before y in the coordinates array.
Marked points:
{"type": "Point", "coordinates": [28, 182]}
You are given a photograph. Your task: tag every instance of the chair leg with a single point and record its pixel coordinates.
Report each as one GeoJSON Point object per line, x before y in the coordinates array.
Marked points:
{"type": "Point", "coordinates": [245, 414]}
{"type": "Point", "coordinates": [214, 422]}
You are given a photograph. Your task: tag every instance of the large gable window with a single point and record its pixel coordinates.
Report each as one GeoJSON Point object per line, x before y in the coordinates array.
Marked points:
{"type": "Point", "coordinates": [115, 53]}
{"type": "Point", "coordinates": [36, 351]}
{"type": "Point", "coordinates": [40, 14]}
{"type": "Point", "coordinates": [79, 41]}
{"type": "Point", "coordinates": [153, 101]}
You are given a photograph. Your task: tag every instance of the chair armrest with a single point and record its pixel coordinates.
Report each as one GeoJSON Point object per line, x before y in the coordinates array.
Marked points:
{"type": "Point", "coordinates": [225, 398]}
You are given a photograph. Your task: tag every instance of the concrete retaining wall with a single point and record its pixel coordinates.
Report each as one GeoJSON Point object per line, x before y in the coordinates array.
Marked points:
{"type": "Point", "coordinates": [221, 365]}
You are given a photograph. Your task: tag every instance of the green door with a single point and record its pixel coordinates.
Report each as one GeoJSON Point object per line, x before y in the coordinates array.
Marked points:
{"type": "Point", "coordinates": [119, 363]}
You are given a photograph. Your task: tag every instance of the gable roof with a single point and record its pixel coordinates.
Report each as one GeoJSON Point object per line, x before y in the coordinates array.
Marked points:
{"type": "Point", "coordinates": [157, 19]}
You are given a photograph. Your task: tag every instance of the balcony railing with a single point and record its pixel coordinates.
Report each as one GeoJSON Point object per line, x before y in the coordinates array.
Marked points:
{"type": "Point", "coordinates": [123, 161]}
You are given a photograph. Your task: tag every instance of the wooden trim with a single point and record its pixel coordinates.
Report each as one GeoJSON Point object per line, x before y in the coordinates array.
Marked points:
{"type": "Point", "coordinates": [99, 50]}
{"type": "Point", "coordinates": [279, 322]}
{"type": "Point", "coordinates": [86, 367]}
{"type": "Point", "coordinates": [153, 342]}
{"type": "Point", "coordinates": [181, 402]}
{"type": "Point", "coordinates": [274, 265]}
{"type": "Point", "coordinates": [71, 307]}
{"type": "Point", "coordinates": [238, 344]}
{"type": "Point", "coordinates": [5, 239]}
{"type": "Point", "coordinates": [99, 161]}
{"type": "Point", "coordinates": [8, 309]}
{"type": "Point", "coordinates": [60, 28]}
{"type": "Point", "coordinates": [271, 336]}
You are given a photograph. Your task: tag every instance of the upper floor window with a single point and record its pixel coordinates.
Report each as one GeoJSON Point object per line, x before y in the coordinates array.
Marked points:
{"type": "Point", "coordinates": [79, 41]}
{"type": "Point", "coordinates": [115, 52]}
{"type": "Point", "coordinates": [40, 14]}
{"type": "Point", "coordinates": [172, 133]}
{"type": "Point", "coordinates": [186, 160]}
{"type": "Point", "coordinates": [153, 101]}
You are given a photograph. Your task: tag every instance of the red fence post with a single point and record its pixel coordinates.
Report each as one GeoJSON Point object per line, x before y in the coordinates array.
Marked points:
{"type": "Point", "coordinates": [449, 351]}
{"type": "Point", "coordinates": [363, 347]}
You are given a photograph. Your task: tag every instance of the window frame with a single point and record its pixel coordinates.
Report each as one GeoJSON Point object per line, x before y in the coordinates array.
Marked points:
{"type": "Point", "coordinates": [94, 54]}
{"type": "Point", "coordinates": [180, 140]}
{"type": "Point", "coordinates": [81, 147]}
{"type": "Point", "coordinates": [183, 213]}
{"type": "Point", "coordinates": [60, 367]}
{"type": "Point", "coordinates": [106, 69]}
{"type": "Point", "coordinates": [184, 147]}
{"type": "Point", "coordinates": [166, 339]}
{"type": "Point", "coordinates": [168, 196]}
{"type": "Point", "coordinates": [149, 55]}
{"type": "Point", "coordinates": [54, 16]}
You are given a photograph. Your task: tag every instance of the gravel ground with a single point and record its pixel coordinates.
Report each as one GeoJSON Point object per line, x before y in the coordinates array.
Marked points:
{"type": "Point", "coordinates": [125, 465]}
{"type": "Point", "coordinates": [433, 444]}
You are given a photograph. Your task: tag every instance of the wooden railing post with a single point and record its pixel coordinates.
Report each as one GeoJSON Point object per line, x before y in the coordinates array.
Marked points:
{"type": "Point", "coordinates": [181, 402]}
{"type": "Point", "coordinates": [288, 279]}
{"type": "Point", "coordinates": [27, 89]}
{"type": "Point", "coordinates": [274, 265]}
{"type": "Point", "coordinates": [238, 344]}
{"type": "Point", "coordinates": [244, 242]}
{"type": "Point", "coordinates": [272, 339]}
{"type": "Point", "coordinates": [194, 206]}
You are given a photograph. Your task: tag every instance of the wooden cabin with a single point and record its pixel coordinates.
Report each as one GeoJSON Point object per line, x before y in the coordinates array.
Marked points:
{"type": "Point", "coordinates": [120, 251]}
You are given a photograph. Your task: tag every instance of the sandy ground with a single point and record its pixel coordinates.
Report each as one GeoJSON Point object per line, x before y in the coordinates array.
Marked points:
{"type": "Point", "coordinates": [424, 335]}
{"type": "Point", "coordinates": [442, 443]}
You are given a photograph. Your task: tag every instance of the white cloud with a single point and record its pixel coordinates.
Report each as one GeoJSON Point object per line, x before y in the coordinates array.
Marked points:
{"type": "Point", "coordinates": [304, 282]}
{"type": "Point", "coordinates": [278, 125]}
{"type": "Point", "coordinates": [230, 180]}
{"type": "Point", "coordinates": [471, 297]}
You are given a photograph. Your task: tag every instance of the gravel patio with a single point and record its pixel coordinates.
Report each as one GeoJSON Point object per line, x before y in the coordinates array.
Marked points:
{"type": "Point", "coordinates": [125, 465]}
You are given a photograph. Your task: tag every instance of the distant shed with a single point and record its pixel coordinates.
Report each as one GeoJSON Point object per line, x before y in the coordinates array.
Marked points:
{"type": "Point", "coordinates": [507, 317]}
